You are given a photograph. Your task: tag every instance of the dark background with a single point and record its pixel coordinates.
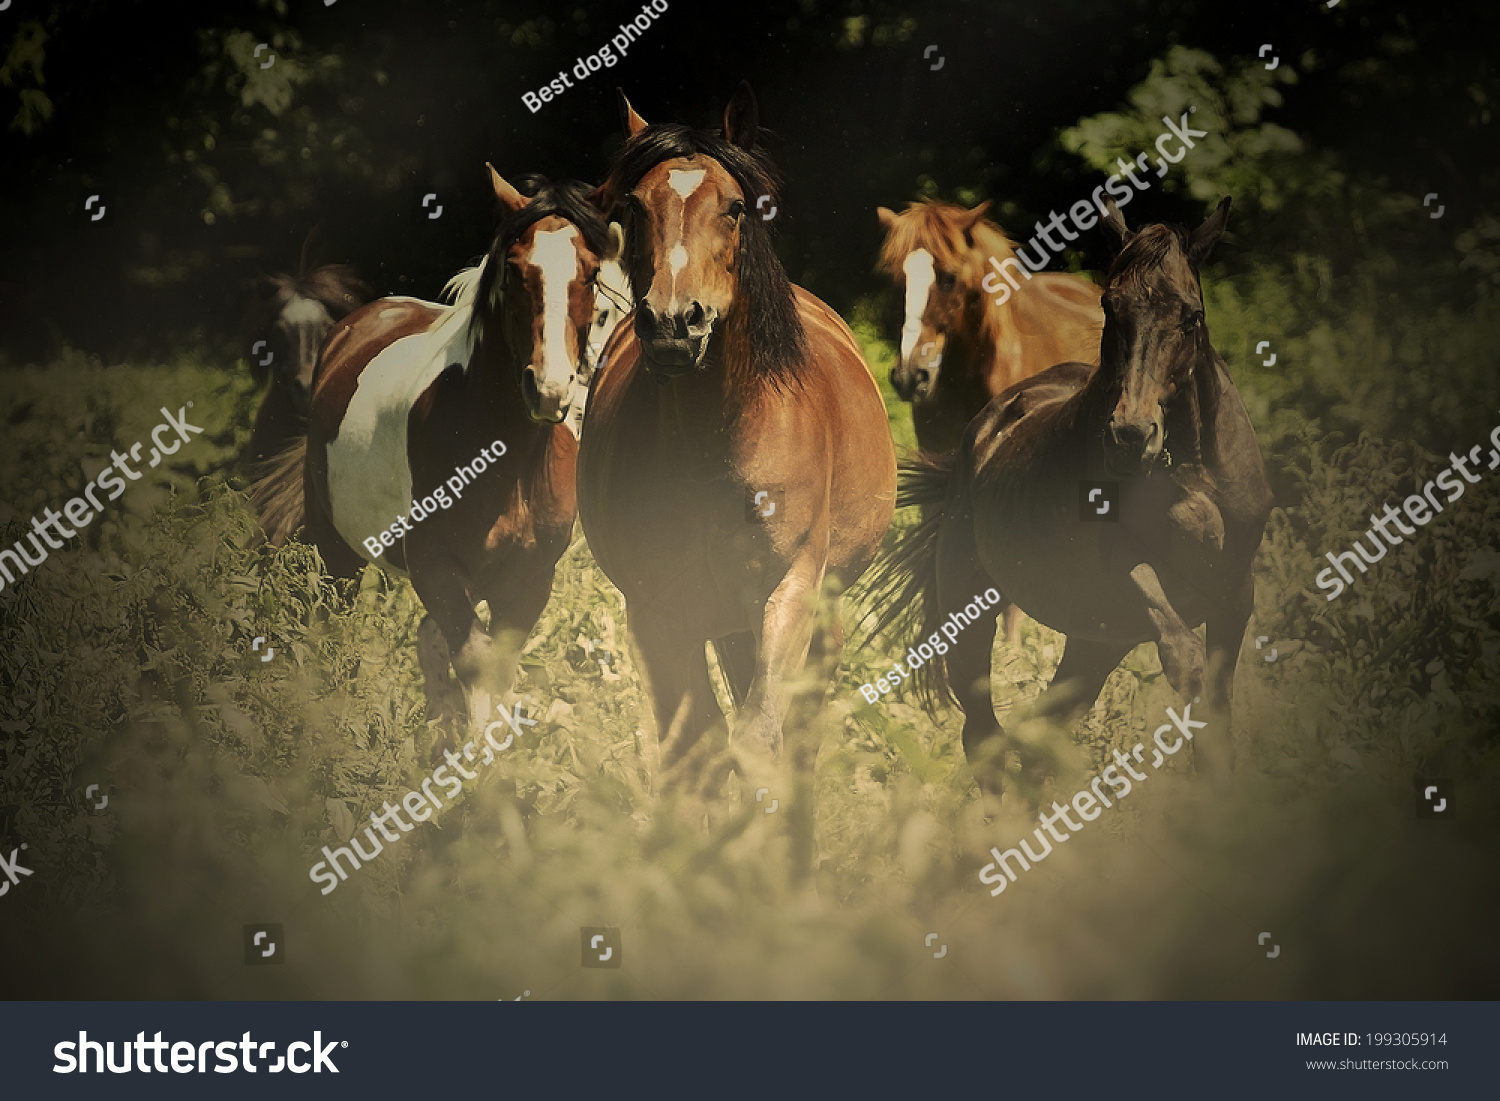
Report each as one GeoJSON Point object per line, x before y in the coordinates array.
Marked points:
{"type": "Point", "coordinates": [209, 178]}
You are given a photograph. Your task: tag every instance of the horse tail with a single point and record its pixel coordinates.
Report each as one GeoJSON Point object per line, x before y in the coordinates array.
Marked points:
{"type": "Point", "coordinates": [904, 582]}
{"type": "Point", "coordinates": [277, 493]}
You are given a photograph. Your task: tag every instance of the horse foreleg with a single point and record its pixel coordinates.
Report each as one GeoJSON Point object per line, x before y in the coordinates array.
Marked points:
{"type": "Point", "coordinates": [487, 665]}
{"type": "Point", "coordinates": [443, 706]}
{"type": "Point", "coordinates": [1012, 616]}
{"type": "Point", "coordinates": [967, 665]}
{"type": "Point", "coordinates": [682, 694]}
{"type": "Point", "coordinates": [1182, 661]}
{"type": "Point", "coordinates": [1080, 676]}
{"type": "Point", "coordinates": [1226, 635]}
{"type": "Point", "coordinates": [786, 630]}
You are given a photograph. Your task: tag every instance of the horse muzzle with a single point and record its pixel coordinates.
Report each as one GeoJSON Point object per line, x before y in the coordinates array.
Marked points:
{"type": "Point", "coordinates": [1132, 447]}
{"type": "Point", "coordinates": [674, 357]}
{"type": "Point", "coordinates": [546, 403]}
{"type": "Point", "coordinates": [912, 384]}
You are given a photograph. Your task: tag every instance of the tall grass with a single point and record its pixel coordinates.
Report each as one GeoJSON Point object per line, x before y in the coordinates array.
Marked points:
{"type": "Point", "coordinates": [126, 661]}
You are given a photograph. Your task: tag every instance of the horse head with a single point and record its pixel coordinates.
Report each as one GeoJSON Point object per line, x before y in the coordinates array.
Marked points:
{"type": "Point", "coordinates": [539, 280]}
{"type": "Point", "coordinates": [930, 253]}
{"type": "Point", "coordinates": [298, 324]}
{"type": "Point", "coordinates": [300, 310]}
{"type": "Point", "coordinates": [1154, 333]}
{"type": "Point", "coordinates": [697, 262]}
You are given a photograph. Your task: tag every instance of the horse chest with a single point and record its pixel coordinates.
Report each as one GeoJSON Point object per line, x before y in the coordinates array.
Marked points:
{"type": "Point", "coordinates": [1072, 571]}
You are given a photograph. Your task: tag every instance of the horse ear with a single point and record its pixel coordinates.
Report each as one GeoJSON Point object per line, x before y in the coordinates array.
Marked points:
{"type": "Point", "coordinates": [1114, 221]}
{"type": "Point", "coordinates": [741, 117]}
{"type": "Point", "coordinates": [511, 199]}
{"type": "Point", "coordinates": [972, 218]}
{"type": "Point", "coordinates": [1206, 236]}
{"type": "Point", "coordinates": [632, 122]}
{"type": "Point", "coordinates": [887, 216]}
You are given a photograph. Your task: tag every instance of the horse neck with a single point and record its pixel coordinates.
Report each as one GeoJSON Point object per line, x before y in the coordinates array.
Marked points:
{"type": "Point", "coordinates": [997, 336]}
{"type": "Point", "coordinates": [491, 389]}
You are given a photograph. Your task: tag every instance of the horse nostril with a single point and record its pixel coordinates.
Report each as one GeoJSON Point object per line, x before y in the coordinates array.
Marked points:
{"type": "Point", "coordinates": [924, 376]}
{"type": "Point", "coordinates": [696, 316]}
{"type": "Point", "coordinates": [645, 320]}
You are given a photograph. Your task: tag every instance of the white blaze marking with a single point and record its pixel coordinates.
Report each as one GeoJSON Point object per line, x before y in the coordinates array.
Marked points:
{"type": "Point", "coordinates": [554, 254]}
{"type": "Point", "coordinates": [685, 181]}
{"type": "Point", "coordinates": [920, 275]}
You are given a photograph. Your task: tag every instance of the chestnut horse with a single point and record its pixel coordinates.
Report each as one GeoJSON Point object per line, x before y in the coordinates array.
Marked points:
{"type": "Point", "coordinates": [967, 334]}
{"type": "Point", "coordinates": [295, 314]}
{"type": "Point", "coordinates": [1160, 433]}
{"type": "Point", "coordinates": [736, 462]}
{"type": "Point", "coordinates": [414, 401]}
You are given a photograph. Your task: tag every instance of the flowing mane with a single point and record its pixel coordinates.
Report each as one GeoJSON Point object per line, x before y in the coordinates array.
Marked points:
{"type": "Point", "coordinates": [777, 342]}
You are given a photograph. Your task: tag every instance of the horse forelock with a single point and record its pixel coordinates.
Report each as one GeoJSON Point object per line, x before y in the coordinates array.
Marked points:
{"type": "Point", "coordinates": [1147, 253]}
{"type": "Point", "coordinates": [938, 227]}
{"type": "Point", "coordinates": [777, 342]}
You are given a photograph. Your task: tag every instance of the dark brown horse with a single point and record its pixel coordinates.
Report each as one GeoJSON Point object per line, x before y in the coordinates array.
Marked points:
{"type": "Point", "coordinates": [436, 446]}
{"type": "Point", "coordinates": [295, 314]}
{"type": "Point", "coordinates": [971, 327]}
{"type": "Point", "coordinates": [1159, 431]}
{"type": "Point", "coordinates": [736, 462]}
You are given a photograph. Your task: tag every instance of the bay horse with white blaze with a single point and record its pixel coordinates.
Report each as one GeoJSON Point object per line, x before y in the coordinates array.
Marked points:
{"type": "Point", "coordinates": [1161, 420]}
{"type": "Point", "coordinates": [966, 334]}
{"type": "Point", "coordinates": [414, 400]}
{"type": "Point", "coordinates": [736, 463]}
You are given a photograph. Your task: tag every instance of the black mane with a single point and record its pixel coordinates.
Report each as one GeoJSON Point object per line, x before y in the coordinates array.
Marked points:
{"type": "Point", "coordinates": [778, 345]}
{"type": "Point", "coordinates": [568, 199]}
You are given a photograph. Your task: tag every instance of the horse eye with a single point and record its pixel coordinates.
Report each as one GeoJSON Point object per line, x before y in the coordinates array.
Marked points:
{"type": "Point", "coordinates": [946, 280]}
{"type": "Point", "coordinates": [1194, 319]}
{"type": "Point", "coordinates": [736, 209]}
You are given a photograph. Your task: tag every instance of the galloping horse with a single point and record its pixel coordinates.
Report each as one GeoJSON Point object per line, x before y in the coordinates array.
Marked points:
{"type": "Point", "coordinates": [960, 343]}
{"type": "Point", "coordinates": [295, 314]}
{"type": "Point", "coordinates": [414, 400]}
{"type": "Point", "coordinates": [1160, 433]}
{"type": "Point", "coordinates": [735, 459]}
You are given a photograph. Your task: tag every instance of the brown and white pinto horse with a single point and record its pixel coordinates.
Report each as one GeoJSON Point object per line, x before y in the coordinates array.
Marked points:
{"type": "Point", "coordinates": [1159, 424]}
{"type": "Point", "coordinates": [414, 401]}
{"type": "Point", "coordinates": [736, 461]}
{"type": "Point", "coordinates": [967, 333]}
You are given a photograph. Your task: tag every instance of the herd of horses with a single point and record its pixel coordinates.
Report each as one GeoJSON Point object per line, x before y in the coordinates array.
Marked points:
{"type": "Point", "coordinates": [652, 372]}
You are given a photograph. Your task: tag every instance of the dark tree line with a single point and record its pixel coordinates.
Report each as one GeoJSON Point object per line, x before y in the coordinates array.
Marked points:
{"type": "Point", "coordinates": [214, 159]}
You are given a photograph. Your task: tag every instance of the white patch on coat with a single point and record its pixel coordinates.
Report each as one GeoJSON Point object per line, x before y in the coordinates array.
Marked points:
{"type": "Point", "coordinates": [369, 474]}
